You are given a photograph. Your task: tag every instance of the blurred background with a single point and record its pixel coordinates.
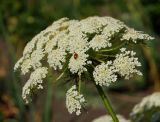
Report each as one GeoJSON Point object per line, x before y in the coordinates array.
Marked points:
{"type": "Point", "coordinates": [20, 20]}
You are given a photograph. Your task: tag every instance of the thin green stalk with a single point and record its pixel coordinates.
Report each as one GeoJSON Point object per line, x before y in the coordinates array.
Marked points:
{"type": "Point", "coordinates": [107, 103]}
{"type": "Point", "coordinates": [60, 76]}
{"type": "Point", "coordinates": [32, 112]}
{"type": "Point", "coordinates": [47, 108]}
{"type": "Point", "coordinates": [79, 84]}
{"type": "Point", "coordinates": [99, 60]}
{"type": "Point", "coordinates": [104, 55]}
{"type": "Point", "coordinates": [113, 49]}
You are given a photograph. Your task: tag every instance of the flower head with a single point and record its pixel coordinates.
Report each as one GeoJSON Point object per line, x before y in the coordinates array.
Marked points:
{"type": "Point", "coordinates": [134, 35]}
{"type": "Point", "coordinates": [36, 57]}
{"type": "Point", "coordinates": [26, 66]}
{"type": "Point", "coordinates": [77, 62]}
{"type": "Point", "coordinates": [31, 45]}
{"type": "Point", "coordinates": [112, 27]}
{"type": "Point", "coordinates": [74, 100]}
{"type": "Point", "coordinates": [147, 103]}
{"type": "Point", "coordinates": [104, 74]}
{"type": "Point", "coordinates": [35, 82]}
{"type": "Point", "coordinates": [107, 118]}
{"type": "Point", "coordinates": [126, 63]}
{"type": "Point", "coordinates": [79, 45]}
{"type": "Point", "coordinates": [91, 24]}
{"type": "Point", "coordinates": [56, 58]}
{"type": "Point", "coordinates": [99, 41]}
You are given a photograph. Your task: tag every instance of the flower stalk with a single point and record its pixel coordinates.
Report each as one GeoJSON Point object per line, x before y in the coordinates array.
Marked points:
{"type": "Point", "coordinates": [107, 103]}
{"type": "Point", "coordinates": [79, 84]}
{"type": "Point", "coordinates": [114, 48]}
{"type": "Point", "coordinates": [48, 103]}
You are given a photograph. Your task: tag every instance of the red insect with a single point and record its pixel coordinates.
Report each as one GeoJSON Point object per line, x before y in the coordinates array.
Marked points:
{"type": "Point", "coordinates": [75, 55]}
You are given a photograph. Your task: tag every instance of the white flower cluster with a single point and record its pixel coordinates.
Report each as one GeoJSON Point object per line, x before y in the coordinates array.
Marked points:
{"type": "Point", "coordinates": [107, 118]}
{"type": "Point", "coordinates": [74, 100]}
{"type": "Point", "coordinates": [100, 41]}
{"type": "Point", "coordinates": [70, 36]}
{"type": "Point", "coordinates": [104, 74]}
{"type": "Point", "coordinates": [35, 81]}
{"type": "Point", "coordinates": [134, 35]}
{"type": "Point", "coordinates": [56, 58]}
{"type": "Point", "coordinates": [35, 50]}
{"type": "Point", "coordinates": [69, 43]}
{"type": "Point", "coordinates": [77, 62]}
{"type": "Point", "coordinates": [125, 64]}
{"type": "Point", "coordinates": [147, 103]}
{"type": "Point", "coordinates": [110, 28]}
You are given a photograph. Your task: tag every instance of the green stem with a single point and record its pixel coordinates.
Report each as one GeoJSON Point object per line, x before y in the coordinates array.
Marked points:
{"type": "Point", "coordinates": [99, 60]}
{"type": "Point", "coordinates": [107, 103]}
{"type": "Point", "coordinates": [60, 76]}
{"type": "Point", "coordinates": [104, 55]}
{"type": "Point", "coordinates": [79, 84]}
{"type": "Point", "coordinates": [47, 108]}
{"type": "Point", "coordinates": [115, 48]}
